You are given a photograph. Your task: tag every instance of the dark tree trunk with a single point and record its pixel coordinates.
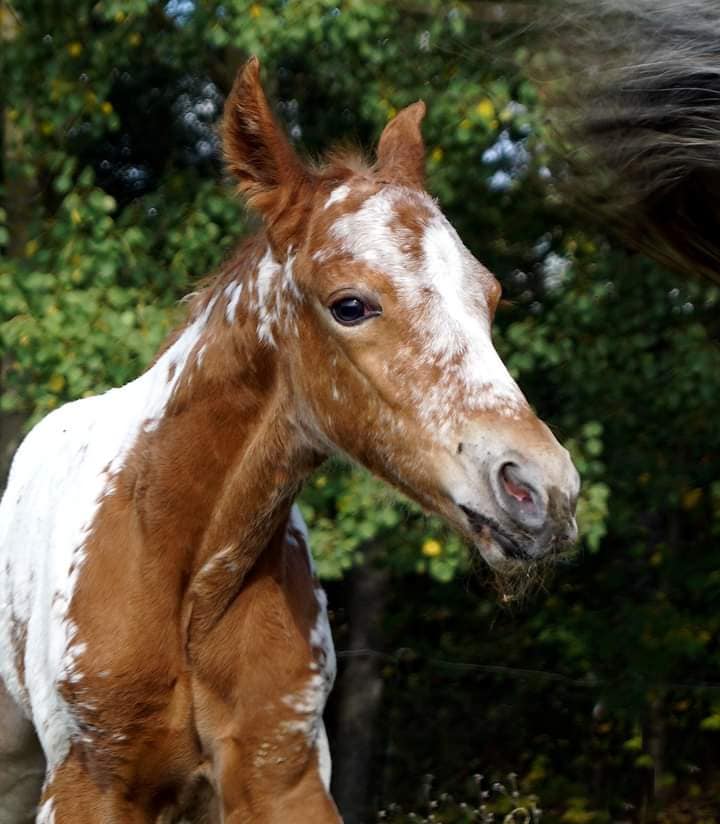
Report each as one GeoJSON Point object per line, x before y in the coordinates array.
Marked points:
{"type": "Point", "coordinates": [359, 695]}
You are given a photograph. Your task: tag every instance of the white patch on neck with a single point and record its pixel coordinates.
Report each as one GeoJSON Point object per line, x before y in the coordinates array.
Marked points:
{"type": "Point", "coordinates": [61, 473]}
{"type": "Point", "coordinates": [274, 296]}
{"type": "Point", "coordinates": [233, 293]}
{"type": "Point", "coordinates": [46, 813]}
{"type": "Point", "coordinates": [324, 760]}
{"type": "Point", "coordinates": [309, 702]}
{"type": "Point", "coordinates": [265, 282]}
{"type": "Point", "coordinates": [338, 194]}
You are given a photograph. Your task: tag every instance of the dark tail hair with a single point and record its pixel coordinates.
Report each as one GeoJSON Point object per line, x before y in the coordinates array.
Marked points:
{"type": "Point", "coordinates": [638, 102]}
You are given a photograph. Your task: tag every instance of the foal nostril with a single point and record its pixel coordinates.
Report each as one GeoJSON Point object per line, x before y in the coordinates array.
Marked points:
{"type": "Point", "coordinates": [514, 485]}
{"type": "Point", "coordinates": [519, 497]}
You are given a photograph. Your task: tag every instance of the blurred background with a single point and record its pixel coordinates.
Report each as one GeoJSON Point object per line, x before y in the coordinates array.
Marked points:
{"type": "Point", "coordinates": [597, 699]}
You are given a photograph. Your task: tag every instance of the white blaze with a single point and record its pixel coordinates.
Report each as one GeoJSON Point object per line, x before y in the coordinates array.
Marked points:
{"type": "Point", "coordinates": [447, 295]}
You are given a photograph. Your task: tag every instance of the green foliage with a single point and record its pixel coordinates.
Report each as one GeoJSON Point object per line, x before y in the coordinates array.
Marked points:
{"type": "Point", "coordinates": [93, 295]}
{"type": "Point", "coordinates": [348, 509]}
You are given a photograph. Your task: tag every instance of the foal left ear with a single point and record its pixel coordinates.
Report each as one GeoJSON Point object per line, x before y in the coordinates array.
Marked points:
{"type": "Point", "coordinates": [401, 151]}
{"type": "Point", "coordinates": [256, 149]}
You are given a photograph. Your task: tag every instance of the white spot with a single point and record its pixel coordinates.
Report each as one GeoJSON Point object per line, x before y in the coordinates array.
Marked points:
{"type": "Point", "coordinates": [233, 293]}
{"type": "Point", "coordinates": [461, 324]}
{"type": "Point", "coordinates": [324, 760]}
{"type": "Point", "coordinates": [338, 194]}
{"type": "Point", "coordinates": [46, 813]}
{"type": "Point", "coordinates": [297, 522]}
{"type": "Point", "coordinates": [309, 702]}
{"type": "Point", "coordinates": [265, 300]}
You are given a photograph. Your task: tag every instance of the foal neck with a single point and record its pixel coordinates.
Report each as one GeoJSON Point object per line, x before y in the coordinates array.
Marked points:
{"type": "Point", "coordinates": [217, 472]}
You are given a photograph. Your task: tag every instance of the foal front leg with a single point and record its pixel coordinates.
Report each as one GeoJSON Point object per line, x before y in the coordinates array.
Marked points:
{"type": "Point", "coordinates": [71, 796]}
{"type": "Point", "coordinates": [276, 778]}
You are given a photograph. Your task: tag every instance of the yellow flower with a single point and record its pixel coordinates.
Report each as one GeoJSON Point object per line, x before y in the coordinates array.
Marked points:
{"type": "Point", "coordinates": [119, 16]}
{"type": "Point", "coordinates": [691, 498]}
{"type": "Point", "coordinates": [431, 548]}
{"type": "Point", "coordinates": [24, 340]}
{"type": "Point", "coordinates": [437, 154]}
{"type": "Point", "coordinates": [465, 124]}
{"type": "Point", "coordinates": [106, 107]}
{"type": "Point", "coordinates": [56, 383]}
{"type": "Point", "coordinates": [47, 128]}
{"type": "Point", "coordinates": [75, 49]}
{"type": "Point", "coordinates": [255, 10]}
{"type": "Point", "coordinates": [485, 109]}
{"type": "Point", "coordinates": [135, 39]}
{"type": "Point", "coordinates": [321, 481]}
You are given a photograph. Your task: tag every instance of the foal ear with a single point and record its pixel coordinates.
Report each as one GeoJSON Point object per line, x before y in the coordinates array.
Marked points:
{"type": "Point", "coordinates": [401, 151]}
{"type": "Point", "coordinates": [256, 149]}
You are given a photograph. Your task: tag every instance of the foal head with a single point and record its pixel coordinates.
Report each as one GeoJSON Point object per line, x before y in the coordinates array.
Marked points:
{"type": "Point", "coordinates": [381, 318]}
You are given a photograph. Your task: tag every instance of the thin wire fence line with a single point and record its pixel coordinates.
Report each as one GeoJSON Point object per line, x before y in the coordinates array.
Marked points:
{"type": "Point", "coordinates": [519, 672]}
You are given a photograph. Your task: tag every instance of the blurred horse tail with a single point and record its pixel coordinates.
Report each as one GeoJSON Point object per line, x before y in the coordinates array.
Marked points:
{"type": "Point", "coordinates": [636, 97]}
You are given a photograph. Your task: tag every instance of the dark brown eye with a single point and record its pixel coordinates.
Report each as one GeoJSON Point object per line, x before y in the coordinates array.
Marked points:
{"type": "Point", "coordinates": [352, 310]}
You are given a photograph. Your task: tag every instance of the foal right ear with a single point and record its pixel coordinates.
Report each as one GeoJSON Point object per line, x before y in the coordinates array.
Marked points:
{"type": "Point", "coordinates": [256, 149]}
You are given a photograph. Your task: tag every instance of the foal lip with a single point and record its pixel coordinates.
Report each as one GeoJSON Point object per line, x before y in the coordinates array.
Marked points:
{"type": "Point", "coordinates": [480, 523]}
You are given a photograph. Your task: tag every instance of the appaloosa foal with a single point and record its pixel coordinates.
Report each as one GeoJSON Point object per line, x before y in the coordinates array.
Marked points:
{"type": "Point", "coordinates": [160, 623]}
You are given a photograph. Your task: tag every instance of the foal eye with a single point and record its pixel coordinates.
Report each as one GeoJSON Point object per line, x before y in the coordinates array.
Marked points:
{"type": "Point", "coordinates": [350, 311]}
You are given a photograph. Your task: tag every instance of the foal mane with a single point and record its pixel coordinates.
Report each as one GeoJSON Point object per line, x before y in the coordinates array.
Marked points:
{"type": "Point", "coordinates": [336, 167]}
